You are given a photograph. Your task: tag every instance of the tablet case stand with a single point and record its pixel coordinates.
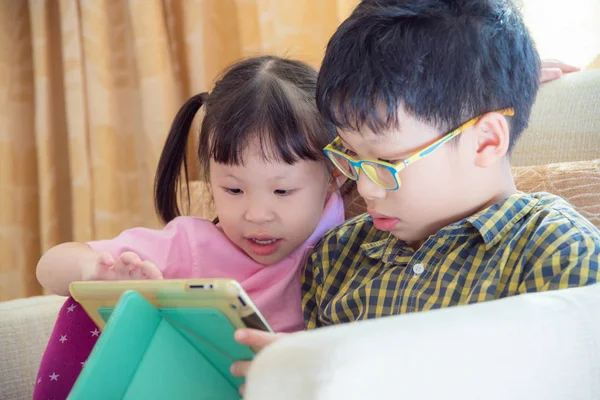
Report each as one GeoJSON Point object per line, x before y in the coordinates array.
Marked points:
{"type": "Point", "coordinates": [149, 353]}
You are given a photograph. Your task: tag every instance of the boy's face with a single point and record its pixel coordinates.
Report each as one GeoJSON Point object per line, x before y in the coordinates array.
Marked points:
{"type": "Point", "coordinates": [435, 191]}
{"type": "Point", "coordinates": [268, 209]}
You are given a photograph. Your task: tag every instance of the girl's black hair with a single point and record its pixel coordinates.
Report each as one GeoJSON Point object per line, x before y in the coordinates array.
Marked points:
{"type": "Point", "coordinates": [266, 100]}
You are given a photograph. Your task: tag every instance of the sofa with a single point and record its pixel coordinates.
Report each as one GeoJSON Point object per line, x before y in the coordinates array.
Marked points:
{"type": "Point", "coordinates": [460, 352]}
{"type": "Point", "coordinates": [542, 346]}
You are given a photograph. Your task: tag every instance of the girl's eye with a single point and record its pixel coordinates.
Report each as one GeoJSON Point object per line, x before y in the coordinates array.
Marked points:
{"type": "Point", "coordinates": [284, 192]}
{"type": "Point", "coordinates": [233, 191]}
{"type": "Point", "coordinates": [393, 162]}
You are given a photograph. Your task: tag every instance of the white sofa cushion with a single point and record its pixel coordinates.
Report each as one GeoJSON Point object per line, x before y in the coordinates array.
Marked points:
{"type": "Point", "coordinates": [535, 346]}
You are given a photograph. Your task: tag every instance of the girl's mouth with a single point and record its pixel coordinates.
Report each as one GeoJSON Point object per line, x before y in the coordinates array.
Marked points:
{"type": "Point", "coordinates": [263, 246]}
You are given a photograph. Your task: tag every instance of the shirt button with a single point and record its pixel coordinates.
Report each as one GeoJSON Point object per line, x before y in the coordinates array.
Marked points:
{"type": "Point", "coordinates": [418, 269]}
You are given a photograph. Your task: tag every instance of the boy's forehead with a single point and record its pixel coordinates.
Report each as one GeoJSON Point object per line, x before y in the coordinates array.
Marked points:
{"type": "Point", "coordinates": [400, 127]}
{"type": "Point", "coordinates": [366, 136]}
{"type": "Point", "coordinates": [407, 133]}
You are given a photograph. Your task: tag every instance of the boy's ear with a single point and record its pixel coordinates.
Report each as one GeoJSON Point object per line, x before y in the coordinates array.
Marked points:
{"type": "Point", "coordinates": [493, 139]}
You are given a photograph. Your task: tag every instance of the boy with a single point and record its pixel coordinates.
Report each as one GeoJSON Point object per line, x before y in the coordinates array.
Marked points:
{"type": "Point", "coordinates": [429, 98]}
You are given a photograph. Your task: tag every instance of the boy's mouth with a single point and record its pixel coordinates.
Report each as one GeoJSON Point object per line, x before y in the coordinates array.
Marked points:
{"type": "Point", "coordinates": [377, 215]}
{"type": "Point", "coordinates": [383, 222]}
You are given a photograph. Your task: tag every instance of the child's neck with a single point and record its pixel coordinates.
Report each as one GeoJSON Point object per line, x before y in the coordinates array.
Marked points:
{"type": "Point", "coordinates": [501, 189]}
{"type": "Point", "coordinates": [494, 186]}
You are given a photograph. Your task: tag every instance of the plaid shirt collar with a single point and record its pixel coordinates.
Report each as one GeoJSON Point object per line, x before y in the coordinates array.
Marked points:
{"type": "Point", "coordinates": [491, 224]}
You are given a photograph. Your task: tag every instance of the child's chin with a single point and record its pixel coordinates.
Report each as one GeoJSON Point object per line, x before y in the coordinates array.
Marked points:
{"type": "Point", "coordinates": [266, 260]}
{"type": "Point", "coordinates": [403, 234]}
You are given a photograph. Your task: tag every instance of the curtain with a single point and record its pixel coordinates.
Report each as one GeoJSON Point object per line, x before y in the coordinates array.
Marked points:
{"type": "Point", "coordinates": [88, 90]}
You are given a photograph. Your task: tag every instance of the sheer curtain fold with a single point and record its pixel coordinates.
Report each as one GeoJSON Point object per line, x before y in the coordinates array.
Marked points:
{"type": "Point", "coordinates": [88, 90]}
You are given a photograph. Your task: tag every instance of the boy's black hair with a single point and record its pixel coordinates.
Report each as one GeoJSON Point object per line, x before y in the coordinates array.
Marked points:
{"type": "Point", "coordinates": [266, 100]}
{"type": "Point", "coordinates": [443, 61]}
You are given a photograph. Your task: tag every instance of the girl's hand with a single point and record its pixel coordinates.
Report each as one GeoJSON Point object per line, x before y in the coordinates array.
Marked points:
{"type": "Point", "coordinates": [129, 266]}
{"type": "Point", "coordinates": [554, 69]}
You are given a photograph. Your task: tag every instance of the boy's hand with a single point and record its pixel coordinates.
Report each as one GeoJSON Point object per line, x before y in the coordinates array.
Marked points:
{"type": "Point", "coordinates": [255, 339]}
{"type": "Point", "coordinates": [127, 267]}
{"type": "Point", "coordinates": [554, 69]}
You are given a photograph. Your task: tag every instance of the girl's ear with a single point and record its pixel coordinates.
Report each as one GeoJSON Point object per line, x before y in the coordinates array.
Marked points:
{"type": "Point", "coordinates": [337, 180]}
{"type": "Point", "coordinates": [334, 182]}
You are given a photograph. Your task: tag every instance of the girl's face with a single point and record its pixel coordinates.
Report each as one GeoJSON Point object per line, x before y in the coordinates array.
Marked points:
{"type": "Point", "coordinates": [268, 209]}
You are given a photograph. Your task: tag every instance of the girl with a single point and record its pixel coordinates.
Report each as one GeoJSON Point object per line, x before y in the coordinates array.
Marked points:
{"type": "Point", "coordinates": [260, 147]}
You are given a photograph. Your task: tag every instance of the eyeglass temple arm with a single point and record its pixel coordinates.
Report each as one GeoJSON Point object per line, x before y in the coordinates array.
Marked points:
{"type": "Point", "coordinates": [429, 149]}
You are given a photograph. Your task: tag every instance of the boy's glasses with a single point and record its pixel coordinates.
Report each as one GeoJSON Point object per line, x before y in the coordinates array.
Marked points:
{"type": "Point", "coordinates": [385, 174]}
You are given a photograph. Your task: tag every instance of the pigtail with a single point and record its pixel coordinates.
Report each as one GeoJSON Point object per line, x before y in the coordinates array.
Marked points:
{"type": "Point", "coordinates": [172, 158]}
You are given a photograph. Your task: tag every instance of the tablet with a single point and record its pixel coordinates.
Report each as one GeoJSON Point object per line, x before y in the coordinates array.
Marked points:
{"type": "Point", "coordinates": [98, 298]}
{"type": "Point", "coordinates": [146, 352]}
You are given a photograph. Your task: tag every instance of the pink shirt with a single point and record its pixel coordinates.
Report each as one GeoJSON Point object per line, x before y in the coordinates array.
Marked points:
{"type": "Point", "coordinates": [190, 247]}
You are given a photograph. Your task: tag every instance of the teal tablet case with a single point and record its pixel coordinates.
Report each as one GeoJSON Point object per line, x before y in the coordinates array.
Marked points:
{"type": "Point", "coordinates": [150, 353]}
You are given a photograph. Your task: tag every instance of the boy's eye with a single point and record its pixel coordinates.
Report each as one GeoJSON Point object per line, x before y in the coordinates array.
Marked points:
{"type": "Point", "coordinates": [284, 192]}
{"type": "Point", "coordinates": [351, 153]}
{"type": "Point", "coordinates": [393, 162]}
{"type": "Point", "coordinates": [233, 191]}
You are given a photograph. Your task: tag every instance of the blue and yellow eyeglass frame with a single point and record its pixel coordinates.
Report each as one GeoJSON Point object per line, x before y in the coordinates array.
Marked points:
{"type": "Point", "coordinates": [383, 173]}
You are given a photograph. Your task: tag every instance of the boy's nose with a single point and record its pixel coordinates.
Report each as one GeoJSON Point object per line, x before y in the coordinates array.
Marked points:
{"type": "Point", "coordinates": [368, 189]}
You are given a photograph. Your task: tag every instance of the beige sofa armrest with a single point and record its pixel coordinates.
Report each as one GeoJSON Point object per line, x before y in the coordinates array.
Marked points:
{"type": "Point", "coordinates": [25, 326]}
{"type": "Point", "coordinates": [539, 346]}
{"type": "Point", "coordinates": [565, 122]}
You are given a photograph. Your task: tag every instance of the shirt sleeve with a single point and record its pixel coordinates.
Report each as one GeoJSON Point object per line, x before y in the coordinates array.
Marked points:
{"type": "Point", "coordinates": [168, 248]}
{"type": "Point", "coordinates": [566, 258]}
{"type": "Point", "coordinates": [312, 286]}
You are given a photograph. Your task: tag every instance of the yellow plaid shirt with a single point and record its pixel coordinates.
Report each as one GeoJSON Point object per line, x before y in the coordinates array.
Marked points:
{"type": "Point", "coordinates": [525, 243]}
